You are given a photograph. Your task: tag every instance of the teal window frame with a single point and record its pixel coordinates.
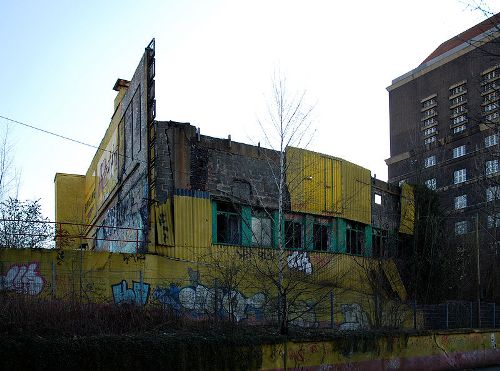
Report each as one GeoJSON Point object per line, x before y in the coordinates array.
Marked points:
{"type": "Point", "coordinates": [321, 237]}
{"type": "Point", "coordinates": [355, 238]}
{"type": "Point", "coordinates": [232, 219]}
{"type": "Point", "coordinates": [292, 239]}
{"type": "Point", "coordinates": [258, 234]}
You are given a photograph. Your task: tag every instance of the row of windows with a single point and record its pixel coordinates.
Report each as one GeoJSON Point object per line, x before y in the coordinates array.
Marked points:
{"type": "Point", "coordinates": [464, 226]}
{"type": "Point", "coordinates": [460, 202]}
{"type": "Point", "coordinates": [460, 151]}
{"type": "Point", "coordinates": [230, 223]}
{"type": "Point", "coordinates": [458, 106]}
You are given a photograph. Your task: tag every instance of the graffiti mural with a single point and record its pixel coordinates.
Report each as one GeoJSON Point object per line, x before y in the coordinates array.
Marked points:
{"type": "Point", "coordinates": [355, 317]}
{"type": "Point", "coordinates": [23, 279]}
{"type": "Point", "coordinates": [138, 294]}
{"type": "Point", "coordinates": [300, 261]}
{"type": "Point", "coordinates": [199, 300]}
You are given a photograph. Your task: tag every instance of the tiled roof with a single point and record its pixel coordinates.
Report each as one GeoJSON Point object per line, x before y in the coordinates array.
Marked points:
{"type": "Point", "coordinates": [487, 24]}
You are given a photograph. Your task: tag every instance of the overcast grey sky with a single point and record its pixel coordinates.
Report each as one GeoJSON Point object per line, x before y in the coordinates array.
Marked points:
{"type": "Point", "coordinates": [214, 62]}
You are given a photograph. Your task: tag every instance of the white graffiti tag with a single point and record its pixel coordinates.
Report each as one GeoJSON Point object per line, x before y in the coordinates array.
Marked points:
{"type": "Point", "coordinates": [300, 261]}
{"type": "Point", "coordinates": [23, 279]}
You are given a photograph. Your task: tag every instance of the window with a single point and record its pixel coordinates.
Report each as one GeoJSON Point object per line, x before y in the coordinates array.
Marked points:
{"type": "Point", "coordinates": [431, 183]}
{"type": "Point", "coordinates": [378, 199]}
{"type": "Point", "coordinates": [293, 235]}
{"type": "Point", "coordinates": [461, 227]}
{"type": "Point", "coordinates": [491, 140]}
{"type": "Point", "coordinates": [492, 193]}
{"type": "Point", "coordinates": [459, 119]}
{"type": "Point", "coordinates": [380, 242]}
{"type": "Point", "coordinates": [429, 103]}
{"type": "Point", "coordinates": [490, 107]}
{"type": "Point", "coordinates": [491, 167]}
{"type": "Point", "coordinates": [459, 151]}
{"type": "Point", "coordinates": [458, 129]}
{"type": "Point", "coordinates": [460, 202]}
{"type": "Point", "coordinates": [261, 230]}
{"type": "Point", "coordinates": [430, 131]}
{"type": "Point", "coordinates": [493, 220]}
{"type": "Point", "coordinates": [458, 100]}
{"type": "Point", "coordinates": [321, 237]}
{"type": "Point", "coordinates": [458, 110]}
{"type": "Point", "coordinates": [428, 122]}
{"type": "Point", "coordinates": [429, 140]}
{"type": "Point", "coordinates": [492, 116]}
{"type": "Point", "coordinates": [228, 224]}
{"type": "Point", "coordinates": [430, 161]}
{"type": "Point", "coordinates": [457, 90]}
{"type": "Point", "coordinates": [355, 238]}
{"type": "Point", "coordinates": [460, 176]}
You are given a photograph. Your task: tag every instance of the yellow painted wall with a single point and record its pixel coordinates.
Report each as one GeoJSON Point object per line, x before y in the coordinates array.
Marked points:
{"type": "Point", "coordinates": [429, 351]}
{"type": "Point", "coordinates": [69, 200]}
{"type": "Point", "coordinates": [324, 185]}
{"type": "Point", "coordinates": [107, 277]}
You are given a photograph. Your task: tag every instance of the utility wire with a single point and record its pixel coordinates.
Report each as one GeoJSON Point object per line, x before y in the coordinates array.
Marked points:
{"type": "Point", "coordinates": [65, 137]}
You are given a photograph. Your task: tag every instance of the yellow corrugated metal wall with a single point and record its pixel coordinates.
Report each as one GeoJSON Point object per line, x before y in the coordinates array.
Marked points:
{"type": "Point", "coordinates": [324, 185]}
{"type": "Point", "coordinates": [356, 192]}
{"type": "Point", "coordinates": [192, 221]}
{"type": "Point", "coordinates": [407, 209]}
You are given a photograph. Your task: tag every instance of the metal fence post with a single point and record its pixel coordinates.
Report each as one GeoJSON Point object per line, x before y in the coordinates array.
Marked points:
{"type": "Point", "coordinates": [332, 318]}
{"type": "Point", "coordinates": [471, 318]}
{"type": "Point", "coordinates": [447, 314]}
{"type": "Point", "coordinates": [414, 314]}
{"type": "Point", "coordinates": [141, 280]}
{"type": "Point", "coordinates": [494, 315]}
{"type": "Point", "coordinates": [53, 288]}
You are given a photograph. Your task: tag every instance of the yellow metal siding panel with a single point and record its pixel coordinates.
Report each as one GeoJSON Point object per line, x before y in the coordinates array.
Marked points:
{"type": "Point", "coordinates": [164, 225]}
{"type": "Point", "coordinates": [407, 209]}
{"type": "Point", "coordinates": [193, 227]}
{"type": "Point", "coordinates": [357, 193]}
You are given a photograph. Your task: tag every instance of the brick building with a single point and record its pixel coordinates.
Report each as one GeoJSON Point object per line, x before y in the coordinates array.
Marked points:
{"type": "Point", "coordinates": [444, 118]}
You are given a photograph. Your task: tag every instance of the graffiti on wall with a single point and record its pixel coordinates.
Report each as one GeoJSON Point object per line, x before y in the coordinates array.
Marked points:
{"type": "Point", "coordinates": [199, 300]}
{"type": "Point", "coordinates": [355, 317]}
{"type": "Point", "coordinates": [300, 261]}
{"type": "Point", "coordinates": [138, 294]}
{"type": "Point", "coordinates": [107, 169]}
{"type": "Point", "coordinates": [130, 215]}
{"type": "Point", "coordinates": [23, 279]}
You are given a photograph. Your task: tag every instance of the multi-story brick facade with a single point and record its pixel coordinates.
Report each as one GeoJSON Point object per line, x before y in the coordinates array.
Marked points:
{"type": "Point", "coordinates": [444, 119]}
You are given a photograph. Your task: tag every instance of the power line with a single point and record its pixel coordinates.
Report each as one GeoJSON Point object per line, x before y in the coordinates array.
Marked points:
{"type": "Point", "coordinates": [65, 137]}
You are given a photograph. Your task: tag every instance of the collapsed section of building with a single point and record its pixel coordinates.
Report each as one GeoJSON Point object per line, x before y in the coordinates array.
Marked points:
{"type": "Point", "coordinates": [158, 186]}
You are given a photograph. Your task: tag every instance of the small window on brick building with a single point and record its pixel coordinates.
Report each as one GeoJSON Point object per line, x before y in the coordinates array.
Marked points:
{"type": "Point", "coordinates": [293, 234]}
{"type": "Point", "coordinates": [321, 237]}
{"type": "Point", "coordinates": [228, 224]}
{"type": "Point", "coordinates": [380, 242]}
{"type": "Point", "coordinates": [378, 199]}
{"type": "Point", "coordinates": [355, 238]}
{"type": "Point", "coordinates": [261, 229]}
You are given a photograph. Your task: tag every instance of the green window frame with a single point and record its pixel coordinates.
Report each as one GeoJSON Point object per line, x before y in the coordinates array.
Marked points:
{"type": "Point", "coordinates": [228, 224]}
{"type": "Point", "coordinates": [294, 234]}
{"type": "Point", "coordinates": [321, 237]}
{"type": "Point", "coordinates": [355, 238]}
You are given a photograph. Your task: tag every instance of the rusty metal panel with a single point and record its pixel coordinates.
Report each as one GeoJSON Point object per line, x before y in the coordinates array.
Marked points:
{"type": "Point", "coordinates": [356, 183]}
{"type": "Point", "coordinates": [192, 221]}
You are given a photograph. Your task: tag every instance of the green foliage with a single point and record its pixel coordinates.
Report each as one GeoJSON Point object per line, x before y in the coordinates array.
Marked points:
{"type": "Point", "coordinates": [23, 226]}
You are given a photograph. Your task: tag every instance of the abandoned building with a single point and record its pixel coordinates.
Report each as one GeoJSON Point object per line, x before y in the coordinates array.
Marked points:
{"type": "Point", "coordinates": [159, 186]}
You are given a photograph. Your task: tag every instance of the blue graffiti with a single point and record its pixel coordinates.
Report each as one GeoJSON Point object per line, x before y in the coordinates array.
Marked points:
{"type": "Point", "coordinates": [138, 294]}
{"type": "Point", "coordinates": [199, 301]}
